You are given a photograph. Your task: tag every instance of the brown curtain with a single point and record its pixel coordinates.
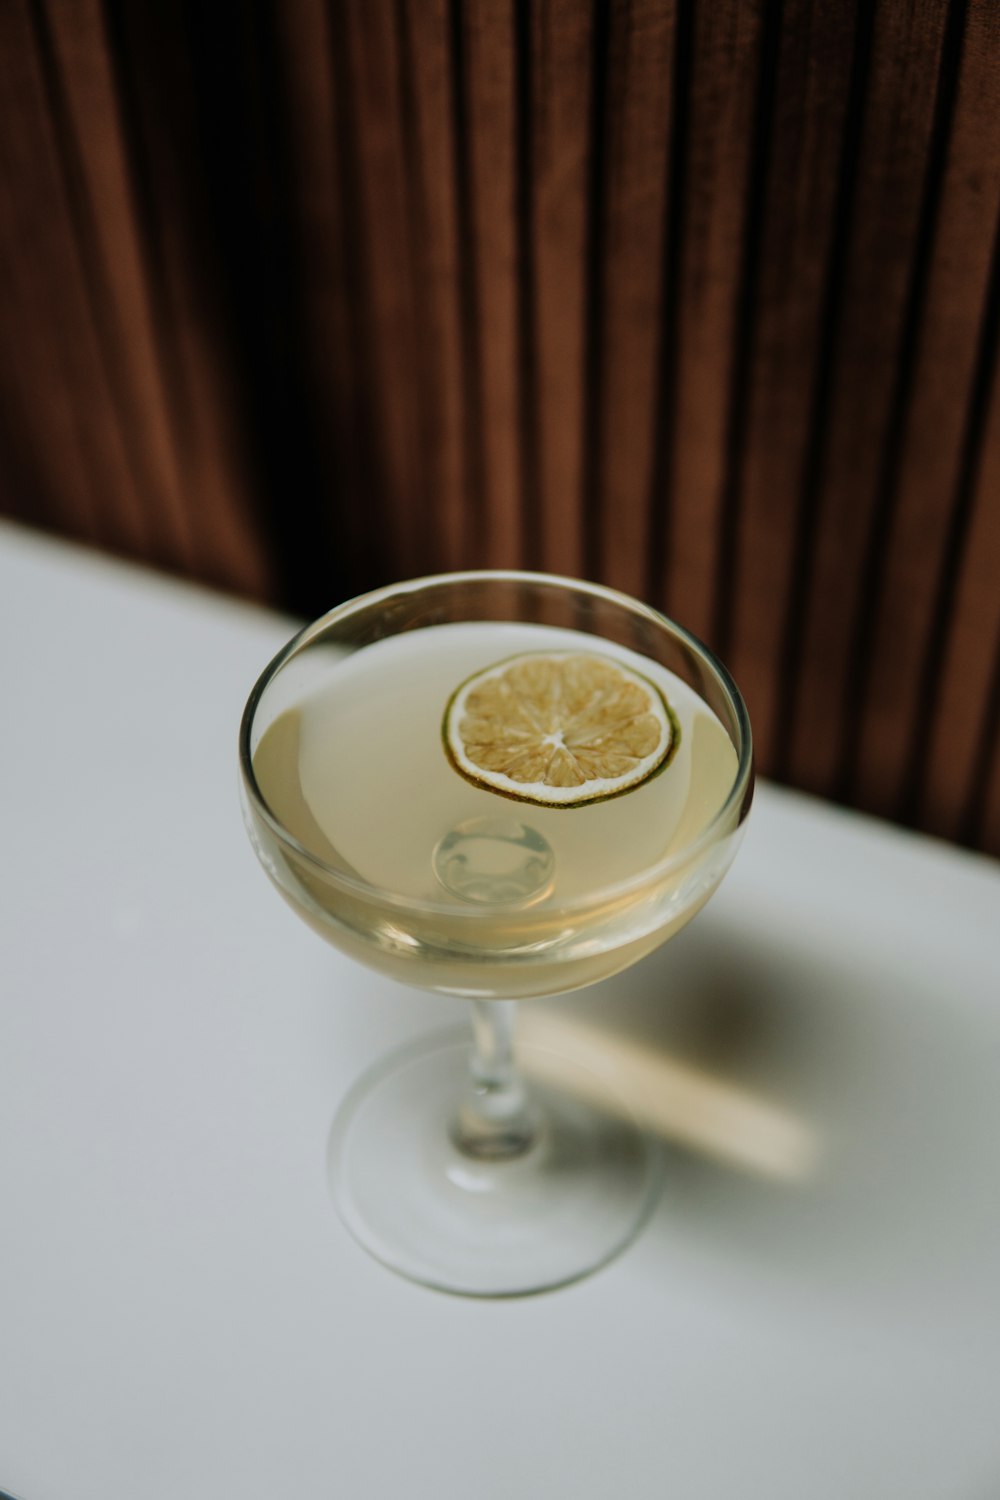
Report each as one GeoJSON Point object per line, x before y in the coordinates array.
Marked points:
{"type": "Point", "coordinates": [698, 297]}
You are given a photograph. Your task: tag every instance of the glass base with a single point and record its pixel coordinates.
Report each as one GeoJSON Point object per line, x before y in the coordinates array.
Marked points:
{"type": "Point", "coordinates": [481, 1228]}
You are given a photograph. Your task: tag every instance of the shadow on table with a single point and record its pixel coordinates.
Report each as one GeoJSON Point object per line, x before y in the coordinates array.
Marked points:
{"type": "Point", "coordinates": [831, 1123]}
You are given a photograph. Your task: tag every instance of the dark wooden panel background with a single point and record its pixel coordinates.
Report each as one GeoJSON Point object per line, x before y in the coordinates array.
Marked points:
{"type": "Point", "coordinates": [699, 297]}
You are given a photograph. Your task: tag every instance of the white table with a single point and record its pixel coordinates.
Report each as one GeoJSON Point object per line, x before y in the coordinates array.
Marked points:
{"type": "Point", "coordinates": [181, 1312]}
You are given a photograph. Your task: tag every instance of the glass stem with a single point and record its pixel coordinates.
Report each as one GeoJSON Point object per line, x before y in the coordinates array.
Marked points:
{"type": "Point", "coordinates": [496, 1121]}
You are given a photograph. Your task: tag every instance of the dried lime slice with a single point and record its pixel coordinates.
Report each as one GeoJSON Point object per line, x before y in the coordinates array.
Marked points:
{"type": "Point", "coordinates": [561, 729]}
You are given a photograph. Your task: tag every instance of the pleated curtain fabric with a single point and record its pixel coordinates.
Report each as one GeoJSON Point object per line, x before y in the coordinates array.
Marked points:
{"type": "Point", "coordinates": [696, 297]}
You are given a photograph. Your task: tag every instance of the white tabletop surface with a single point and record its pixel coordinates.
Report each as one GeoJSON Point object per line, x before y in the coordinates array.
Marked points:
{"type": "Point", "coordinates": [181, 1312]}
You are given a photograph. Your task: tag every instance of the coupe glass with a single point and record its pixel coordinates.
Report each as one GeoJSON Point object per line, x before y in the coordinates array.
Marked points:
{"type": "Point", "coordinates": [456, 1162]}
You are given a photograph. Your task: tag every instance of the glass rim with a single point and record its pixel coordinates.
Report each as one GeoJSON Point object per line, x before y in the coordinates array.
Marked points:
{"type": "Point", "coordinates": [648, 878]}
